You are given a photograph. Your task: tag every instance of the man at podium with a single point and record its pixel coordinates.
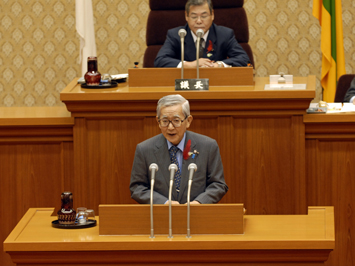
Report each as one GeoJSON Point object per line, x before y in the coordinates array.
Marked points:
{"type": "Point", "coordinates": [177, 145]}
{"type": "Point", "coordinates": [219, 47]}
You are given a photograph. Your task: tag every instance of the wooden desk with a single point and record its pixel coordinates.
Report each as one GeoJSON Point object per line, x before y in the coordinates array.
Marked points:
{"type": "Point", "coordinates": [247, 97]}
{"type": "Point", "coordinates": [157, 77]}
{"type": "Point", "coordinates": [286, 239]}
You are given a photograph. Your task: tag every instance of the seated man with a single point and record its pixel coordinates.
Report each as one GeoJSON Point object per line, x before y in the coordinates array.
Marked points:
{"type": "Point", "coordinates": [208, 186]}
{"type": "Point", "coordinates": [350, 94]}
{"type": "Point", "coordinates": [221, 48]}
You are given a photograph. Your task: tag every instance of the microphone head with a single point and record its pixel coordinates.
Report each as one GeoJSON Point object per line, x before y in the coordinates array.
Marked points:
{"type": "Point", "coordinates": [153, 166]}
{"type": "Point", "coordinates": [192, 166]}
{"type": "Point", "coordinates": [200, 33]}
{"type": "Point", "coordinates": [182, 33]}
{"type": "Point", "coordinates": [173, 166]}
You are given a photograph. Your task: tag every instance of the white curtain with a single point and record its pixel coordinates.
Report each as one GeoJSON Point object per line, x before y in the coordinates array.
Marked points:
{"type": "Point", "coordinates": [85, 28]}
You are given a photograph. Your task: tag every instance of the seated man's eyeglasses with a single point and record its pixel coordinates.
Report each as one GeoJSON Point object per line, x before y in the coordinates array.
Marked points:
{"type": "Point", "coordinates": [203, 17]}
{"type": "Point", "coordinates": [176, 122]}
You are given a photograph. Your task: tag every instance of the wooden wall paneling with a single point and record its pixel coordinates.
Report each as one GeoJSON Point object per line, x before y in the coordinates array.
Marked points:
{"type": "Point", "coordinates": [38, 174]}
{"type": "Point", "coordinates": [9, 214]}
{"type": "Point", "coordinates": [241, 164]}
{"type": "Point", "coordinates": [79, 184]}
{"type": "Point", "coordinates": [313, 180]}
{"type": "Point", "coordinates": [266, 165]}
{"type": "Point", "coordinates": [298, 167]}
{"type": "Point", "coordinates": [110, 154]}
{"type": "Point", "coordinates": [330, 153]}
{"type": "Point", "coordinates": [226, 141]}
{"type": "Point", "coordinates": [344, 180]}
{"type": "Point", "coordinates": [31, 176]}
{"type": "Point", "coordinates": [206, 125]}
{"type": "Point", "coordinates": [31, 134]}
{"type": "Point", "coordinates": [67, 173]}
{"type": "Point", "coordinates": [35, 155]}
{"type": "Point", "coordinates": [331, 181]}
{"type": "Point", "coordinates": [151, 127]}
{"type": "Point", "coordinates": [67, 159]}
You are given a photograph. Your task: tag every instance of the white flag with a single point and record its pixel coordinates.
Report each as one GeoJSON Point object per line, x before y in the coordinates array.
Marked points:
{"type": "Point", "coordinates": [85, 28]}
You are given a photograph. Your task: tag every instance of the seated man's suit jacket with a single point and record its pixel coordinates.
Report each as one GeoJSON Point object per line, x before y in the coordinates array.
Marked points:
{"type": "Point", "coordinates": [208, 184]}
{"type": "Point", "coordinates": [351, 92]}
{"type": "Point", "coordinates": [224, 44]}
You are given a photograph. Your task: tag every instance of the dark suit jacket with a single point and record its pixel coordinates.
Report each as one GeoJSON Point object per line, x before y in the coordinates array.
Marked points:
{"type": "Point", "coordinates": [225, 48]}
{"type": "Point", "coordinates": [208, 184]}
{"type": "Point", "coordinates": [351, 92]}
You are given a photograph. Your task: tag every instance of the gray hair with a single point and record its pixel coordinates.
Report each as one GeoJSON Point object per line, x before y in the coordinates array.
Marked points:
{"type": "Point", "coordinates": [172, 100]}
{"type": "Point", "coordinates": [198, 3]}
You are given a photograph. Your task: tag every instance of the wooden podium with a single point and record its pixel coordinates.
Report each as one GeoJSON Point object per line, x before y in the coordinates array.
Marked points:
{"type": "Point", "coordinates": [222, 219]}
{"type": "Point", "coordinates": [287, 240]}
{"type": "Point", "coordinates": [165, 77]}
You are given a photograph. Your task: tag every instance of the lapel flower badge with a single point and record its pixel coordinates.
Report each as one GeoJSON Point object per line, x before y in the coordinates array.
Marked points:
{"type": "Point", "coordinates": [187, 153]}
{"type": "Point", "coordinates": [210, 49]}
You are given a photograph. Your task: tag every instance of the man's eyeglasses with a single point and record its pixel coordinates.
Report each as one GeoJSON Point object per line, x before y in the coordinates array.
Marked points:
{"type": "Point", "coordinates": [203, 17]}
{"type": "Point", "coordinates": [176, 122]}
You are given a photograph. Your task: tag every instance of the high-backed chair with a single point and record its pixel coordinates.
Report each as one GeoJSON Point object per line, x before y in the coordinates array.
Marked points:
{"type": "Point", "coordinates": [342, 87]}
{"type": "Point", "coordinates": [165, 15]}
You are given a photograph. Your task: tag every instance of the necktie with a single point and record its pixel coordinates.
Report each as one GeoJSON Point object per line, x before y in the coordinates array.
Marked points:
{"type": "Point", "coordinates": [201, 48]}
{"type": "Point", "coordinates": [177, 178]}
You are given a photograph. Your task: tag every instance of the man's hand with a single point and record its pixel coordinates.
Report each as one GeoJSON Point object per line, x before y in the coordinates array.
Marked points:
{"type": "Point", "coordinates": [194, 202]}
{"type": "Point", "coordinates": [216, 65]}
{"type": "Point", "coordinates": [203, 62]}
{"type": "Point", "coordinates": [172, 202]}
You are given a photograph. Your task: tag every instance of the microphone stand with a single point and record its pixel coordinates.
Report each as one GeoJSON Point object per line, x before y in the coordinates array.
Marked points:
{"type": "Point", "coordinates": [182, 34]}
{"type": "Point", "coordinates": [199, 34]}
{"type": "Point", "coordinates": [153, 167]}
{"type": "Point", "coordinates": [172, 168]}
{"type": "Point", "coordinates": [192, 168]}
{"type": "Point", "coordinates": [182, 57]}
{"type": "Point", "coordinates": [188, 209]}
{"type": "Point", "coordinates": [198, 56]}
{"type": "Point", "coordinates": [151, 209]}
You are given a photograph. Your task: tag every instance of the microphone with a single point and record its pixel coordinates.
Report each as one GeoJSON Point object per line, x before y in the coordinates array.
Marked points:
{"type": "Point", "coordinates": [152, 168]}
{"type": "Point", "coordinates": [192, 169]}
{"type": "Point", "coordinates": [199, 34]}
{"type": "Point", "coordinates": [182, 34]}
{"type": "Point", "coordinates": [172, 168]}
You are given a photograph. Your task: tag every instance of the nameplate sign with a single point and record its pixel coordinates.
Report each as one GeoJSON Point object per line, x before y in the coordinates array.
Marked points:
{"type": "Point", "coordinates": [191, 84]}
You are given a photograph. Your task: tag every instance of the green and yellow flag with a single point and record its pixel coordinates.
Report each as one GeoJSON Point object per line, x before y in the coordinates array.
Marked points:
{"type": "Point", "coordinates": [329, 14]}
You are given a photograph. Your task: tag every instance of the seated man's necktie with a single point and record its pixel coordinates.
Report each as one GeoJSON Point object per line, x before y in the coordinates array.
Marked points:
{"type": "Point", "coordinates": [201, 47]}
